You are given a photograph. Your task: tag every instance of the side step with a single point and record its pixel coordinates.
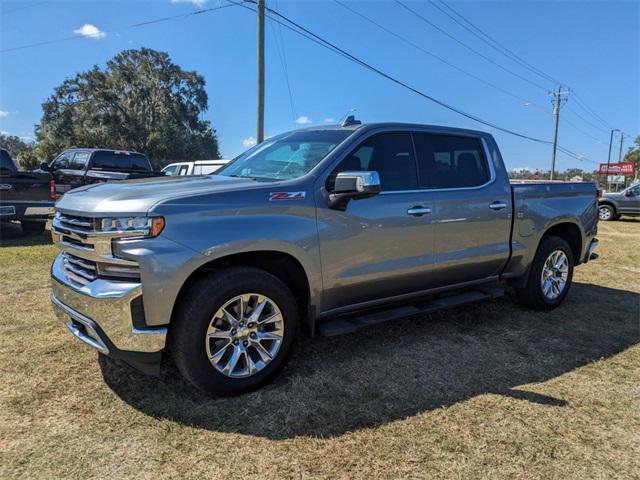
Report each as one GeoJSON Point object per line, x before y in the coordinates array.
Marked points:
{"type": "Point", "coordinates": [357, 321]}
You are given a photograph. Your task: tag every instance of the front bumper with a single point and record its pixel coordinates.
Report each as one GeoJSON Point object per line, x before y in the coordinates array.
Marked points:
{"type": "Point", "coordinates": [99, 314]}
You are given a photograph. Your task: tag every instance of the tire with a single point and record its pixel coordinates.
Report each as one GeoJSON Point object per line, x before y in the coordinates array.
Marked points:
{"type": "Point", "coordinates": [607, 213]}
{"type": "Point", "coordinates": [533, 294]}
{"type": "Point", "coordinates": [200, 315]}
{"type": "Point", "coordinates": [33, 227]}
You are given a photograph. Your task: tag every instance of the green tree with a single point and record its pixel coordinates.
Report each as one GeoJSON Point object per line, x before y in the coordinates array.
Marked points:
{"type": "Point", "coordinates": [21, 151]}
{"type": "Point", "coordinates": [140, 101]}
{"type": "Point", "coordinates": [633, 155]}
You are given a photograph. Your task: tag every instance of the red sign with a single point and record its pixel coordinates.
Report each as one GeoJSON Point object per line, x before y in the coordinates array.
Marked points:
{"type": "Point", "coordinates": [617, 168]}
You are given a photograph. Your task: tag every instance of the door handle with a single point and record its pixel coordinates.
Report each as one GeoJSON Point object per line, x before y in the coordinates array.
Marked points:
{"type": "Point", "coordinates": [418, 211]}
{"type": "Point", "coordinates": [497, 206]}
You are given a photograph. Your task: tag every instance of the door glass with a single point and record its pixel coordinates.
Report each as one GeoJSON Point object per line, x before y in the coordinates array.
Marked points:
{"type": "Point", "coordinates": [111, 161]}
{"type": "Point", "coordinates": [62, 161]}
{"type": "Point", "coordinates": [170, 170]}
{"type": "Point", "coordinates": [450, 161]}
{"type": "Point", "coordinates": [79, 161]}
{"type": "Point", "coordinates": [391, 155]}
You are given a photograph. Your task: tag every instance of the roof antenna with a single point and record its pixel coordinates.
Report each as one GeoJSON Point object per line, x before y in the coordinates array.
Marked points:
{"type": "Point", "coordinates": [350, 120]}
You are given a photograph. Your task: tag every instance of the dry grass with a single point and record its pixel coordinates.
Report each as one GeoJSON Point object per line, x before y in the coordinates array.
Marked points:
{"type": "Point", "coordinates": [487, 390]}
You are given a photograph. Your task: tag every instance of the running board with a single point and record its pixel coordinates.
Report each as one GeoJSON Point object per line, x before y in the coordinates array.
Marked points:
{"type": "Point", "coordinates": [354, 322]}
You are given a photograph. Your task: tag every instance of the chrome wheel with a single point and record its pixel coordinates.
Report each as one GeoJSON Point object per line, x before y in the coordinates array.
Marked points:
{"type": "Point", "coordinates": [244, 335]}
{"type": "Point", "coordinates": [555, 274]}
{"type": "Point", "coordinates": [605, 213]}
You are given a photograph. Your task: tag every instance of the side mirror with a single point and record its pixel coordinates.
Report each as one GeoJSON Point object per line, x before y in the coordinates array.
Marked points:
{"type": "Point", "coordinates": [628, 193]}
{"type": "Point", "coordinates": [353, 185]}
{"type": "Point", "coordinates": [44, 166]}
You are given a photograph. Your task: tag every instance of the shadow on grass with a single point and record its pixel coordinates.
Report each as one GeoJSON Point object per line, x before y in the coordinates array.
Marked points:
{"type": "Point", "coordinates": [400, 369]}
{"type": "Point", "coordinates": [11, 235]}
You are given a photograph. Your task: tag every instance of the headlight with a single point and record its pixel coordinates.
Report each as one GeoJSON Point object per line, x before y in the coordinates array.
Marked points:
{"type": "Point", "coordinates": [146, 226]}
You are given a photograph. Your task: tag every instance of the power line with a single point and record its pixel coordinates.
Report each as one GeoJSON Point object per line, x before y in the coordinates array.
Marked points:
{"type": "Point", "coordinates": [135, 25]}
{"type": "Point", "coordinates": [22, 7]}
{"type": "Point", "coordinates": [588, 122]}
{"type": "Point", "coordinates": [492, 42]}
{"type": "Point", "coordinates": [506, 51]}
{"type": "Point", "coordinates": [300, 30]}
{"type": "Point", "coordinates": [437, 57]}
{"type": "Point", "coordinates": [279, 41]}
{"type": "Point", "coordinates": [468, 47]}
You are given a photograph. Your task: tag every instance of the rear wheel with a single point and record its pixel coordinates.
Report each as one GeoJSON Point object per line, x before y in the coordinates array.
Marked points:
{"type": "Point", "coordinates": [606, 213]}
{"type": "Point", "coordinates": [234, 330]}
{"type": "Point", "coordinates": [33, 227]}
{"type": "Point", "coordinates": [550, 275]}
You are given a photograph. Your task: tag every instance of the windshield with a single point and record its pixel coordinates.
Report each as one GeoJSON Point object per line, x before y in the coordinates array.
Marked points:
{"type": "Point", "coordinates": [286, 156]}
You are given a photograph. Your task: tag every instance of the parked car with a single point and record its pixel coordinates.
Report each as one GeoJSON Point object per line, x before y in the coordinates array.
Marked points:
{"type": "Point", "coordinates": [613, 205]}
{"type": "Point", "coordinates": [196, 167]}
{"type": "Point", "coordinates": [82, 166]}
{"type": "Point", "coordinates": [332, 229]}
{"type": "Point", "coordinates": [25, 196]}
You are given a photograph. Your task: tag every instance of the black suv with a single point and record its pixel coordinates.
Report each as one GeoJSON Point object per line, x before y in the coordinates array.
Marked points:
{"type": "Point", "coordinates": [81, 166]}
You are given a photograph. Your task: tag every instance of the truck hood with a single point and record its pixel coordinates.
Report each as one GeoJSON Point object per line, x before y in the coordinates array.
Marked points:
{"type": "Point", "coordinates": [138, 196]}
{"type": "Point", "coordinates": [611, 195]}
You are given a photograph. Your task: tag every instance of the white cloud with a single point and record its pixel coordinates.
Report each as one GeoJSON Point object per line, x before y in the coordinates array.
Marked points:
{"type": "Point", "coordinates": [303, 120]}
{"type": "Point", "coordinates": [195, 2]}
{"type": "Point", "coordinates": [4, 113]}
{"type": "Point", "coordinates": [249, 142]}
{"type": "Point", "coordinates": [329, 120]}
{"type": "Point", "coordinates": [88, 30]}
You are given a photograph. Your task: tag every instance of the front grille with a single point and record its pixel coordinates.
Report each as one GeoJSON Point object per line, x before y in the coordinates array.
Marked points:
{"type": "Point", "coordinates": [78, 269]}
{"type": "Point", "coordinates": [74, 222]}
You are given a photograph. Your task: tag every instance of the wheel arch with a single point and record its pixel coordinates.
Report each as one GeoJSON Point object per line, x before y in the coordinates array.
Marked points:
{"type": "Point", "coordinates": [608, 203]}
{"type": "Point", "coordinates": [282, 265]}
{"type": "Point", "coordinates": [570, 232]}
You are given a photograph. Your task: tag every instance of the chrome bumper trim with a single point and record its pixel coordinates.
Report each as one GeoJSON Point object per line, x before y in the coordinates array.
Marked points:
{"type": "Point", "coordinates": [104, 308]}
{"type": "Point", "coordinates": [92, 338]}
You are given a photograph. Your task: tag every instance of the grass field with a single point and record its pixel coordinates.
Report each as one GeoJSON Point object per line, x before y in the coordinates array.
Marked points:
{"type": "Point", "coordinates": [485, 390]}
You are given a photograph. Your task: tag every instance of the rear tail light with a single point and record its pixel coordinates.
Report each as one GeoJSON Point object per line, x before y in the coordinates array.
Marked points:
{"type": "Point", "coordinates": [52, 189]}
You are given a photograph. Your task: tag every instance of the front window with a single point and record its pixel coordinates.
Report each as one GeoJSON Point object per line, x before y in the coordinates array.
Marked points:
{"type": "Point", "coordinates": [285, 157]}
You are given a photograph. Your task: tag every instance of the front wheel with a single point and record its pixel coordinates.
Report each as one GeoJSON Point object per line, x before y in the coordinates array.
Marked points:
{"type": "Point", "coordinates": [550, 275]}
{"type": "Point", "coordinates": [234, 330]}
{"type": "Point", "coordinates": [606, 213]}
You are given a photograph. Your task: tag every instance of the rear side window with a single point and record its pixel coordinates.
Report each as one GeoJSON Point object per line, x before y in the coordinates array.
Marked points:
{"type": "Point", "coordinates": [120, 161]}
{"type": "Point", "coordinates": [450, 161]}
{"type": "Point", "coordinates": [184, 169]}
{"type": "Point", "coordinates": [391, 155]}
{"type": "Point", "coordinates": [140, 163]}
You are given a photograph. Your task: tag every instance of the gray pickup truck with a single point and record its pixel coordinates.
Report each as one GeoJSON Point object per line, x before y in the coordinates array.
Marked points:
{"type": "Point", "coordinates": [331, 229]}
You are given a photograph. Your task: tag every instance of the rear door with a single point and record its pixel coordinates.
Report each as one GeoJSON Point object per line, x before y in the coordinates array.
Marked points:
{"type": "Point", "coordinates": [68, 169]}
{"type": "Point", "coordinates": [376, 248]}
{"type": "Point", "coordinates": [471, 208]}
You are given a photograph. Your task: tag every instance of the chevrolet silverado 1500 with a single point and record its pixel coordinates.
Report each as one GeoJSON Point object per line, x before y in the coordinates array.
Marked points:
{"type": "Point", "coordinates": [331, 229]}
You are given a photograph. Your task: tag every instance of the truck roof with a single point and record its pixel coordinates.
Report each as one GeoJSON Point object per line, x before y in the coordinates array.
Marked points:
{"type": "Point", "coordinates": [376, 125]}
{"type": "Point", "coordinates": [112, 150]}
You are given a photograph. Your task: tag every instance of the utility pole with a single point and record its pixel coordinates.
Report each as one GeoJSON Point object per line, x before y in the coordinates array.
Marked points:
{"type": "Point", "coordinates": [260, 120]}
{"type": "Point", "coordinates": [620, 152]}
{"type": "Point", "coordinates": [609, 157]}
{"type": "Point", "coordinates": [556, 113]}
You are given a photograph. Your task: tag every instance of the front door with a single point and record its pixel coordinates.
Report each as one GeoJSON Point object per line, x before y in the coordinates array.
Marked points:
{"type": "Point", "coordinates": [380, 246]}
{"type": "Point", "coordinates": [68, 170]}
{"type": "Point", "coordinates": [629, 202]}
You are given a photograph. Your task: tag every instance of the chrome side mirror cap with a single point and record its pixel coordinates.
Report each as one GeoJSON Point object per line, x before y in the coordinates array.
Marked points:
{"type": "Point", "coordinates": [353, 185]}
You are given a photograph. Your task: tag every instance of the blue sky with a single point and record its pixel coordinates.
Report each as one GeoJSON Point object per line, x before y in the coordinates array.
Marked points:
{"type": "Point", "coordinates": [594, 47]}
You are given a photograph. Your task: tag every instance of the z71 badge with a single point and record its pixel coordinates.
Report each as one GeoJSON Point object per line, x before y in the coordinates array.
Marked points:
{"type": "Point", "coordinates": [274, 196]}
